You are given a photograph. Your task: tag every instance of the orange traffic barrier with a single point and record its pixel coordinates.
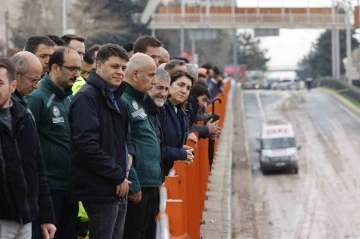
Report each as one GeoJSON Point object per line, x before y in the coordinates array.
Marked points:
{"type": "Point", "coordinates": [181, 168]}
{"type": "Point", "coordinates": [174, 211]}
{"type": "Point", "coordinates": [193, 194]}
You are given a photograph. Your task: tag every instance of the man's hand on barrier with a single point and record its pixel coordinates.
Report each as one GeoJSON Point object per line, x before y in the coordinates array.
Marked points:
{"type": "Point", "coordinates": [212, 126]}
{"type": "Point", "coordinates": [136, 197]}
{"type": "Point", "coordinates": [123, 189]}
{"type": "Point", "coordinates": [190, 156]}
{"type": "Point", "coordinates": [192, 137]}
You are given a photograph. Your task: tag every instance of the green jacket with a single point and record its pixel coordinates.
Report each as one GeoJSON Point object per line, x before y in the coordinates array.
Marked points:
{"type": "Point", "coordinates": [49, 106]}
{"type": "Point", "coordinates": [146, 168]}
{"type": "Point", "coordinates": [19, 98]}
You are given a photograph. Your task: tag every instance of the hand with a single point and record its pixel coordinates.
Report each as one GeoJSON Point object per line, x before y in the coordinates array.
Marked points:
{"type": "Point", "coordinates": [123, 189]}
{"type": "Point", "coordinates": [216, 135]}
{"type": "Point", "coordinates": [192, 137]}
{"type": "Point", "coordinates": [48, 230]}
{"type": "Point", "coordinates": [212, 126]}
{"type": "Point", "coordinates": [190, 156]}
{"type": "Point", "coordinates": [136, 197]}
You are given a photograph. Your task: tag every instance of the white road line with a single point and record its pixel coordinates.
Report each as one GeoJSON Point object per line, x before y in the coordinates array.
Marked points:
{"type": "Point", "coordinates": [262, 112]}
{"type": "Point", "coordinates": [354, 116]}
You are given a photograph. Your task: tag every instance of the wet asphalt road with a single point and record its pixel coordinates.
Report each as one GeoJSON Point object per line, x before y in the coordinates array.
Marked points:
{"type": "Point", "coordinates": [323, 200]}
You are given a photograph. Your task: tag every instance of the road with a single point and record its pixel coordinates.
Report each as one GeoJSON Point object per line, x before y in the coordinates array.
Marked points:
{"type": "Point", "coordinates": [323, 200]}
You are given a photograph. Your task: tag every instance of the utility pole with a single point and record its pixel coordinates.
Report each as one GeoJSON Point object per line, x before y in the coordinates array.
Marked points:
{"type": "Point", "coordinates": [348, 43]}
{"type": "Point", "coordinates": [182, 34]}
{"type": "Point", "coordinates": [6, 48]}
{"type": "Point", "coordinates": [64, 17]}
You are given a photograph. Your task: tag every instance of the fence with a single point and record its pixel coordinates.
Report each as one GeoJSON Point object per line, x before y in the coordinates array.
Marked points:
{"type": "Point", "coordinates": [343, 88]}
{"type": "Point", "coordinates": [183, 195]}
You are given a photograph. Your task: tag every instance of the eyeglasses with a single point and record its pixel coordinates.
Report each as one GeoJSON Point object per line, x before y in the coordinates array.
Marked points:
{"type": "Point", "coordinates": [72, 69]}
{"type": "Point", "coordinates": [33, 81]}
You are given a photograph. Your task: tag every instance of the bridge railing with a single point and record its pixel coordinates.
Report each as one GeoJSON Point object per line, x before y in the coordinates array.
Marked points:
{"type": "Point", "coordinates": [221, 20]}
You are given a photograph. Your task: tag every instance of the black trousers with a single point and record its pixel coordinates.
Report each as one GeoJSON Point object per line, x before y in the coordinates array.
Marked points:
{"type": "Point", "coordinates": [140, 217]}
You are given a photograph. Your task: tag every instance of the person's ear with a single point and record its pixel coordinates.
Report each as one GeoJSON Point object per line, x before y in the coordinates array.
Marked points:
{"type": "Point", "coordinates": [99, 65]}
{"type": "Point", "coordinates": [17, 74]}
{"type": "Point", "coordinates": [134, 75]}
{"type": "Point", "coordinates": [13, 86]}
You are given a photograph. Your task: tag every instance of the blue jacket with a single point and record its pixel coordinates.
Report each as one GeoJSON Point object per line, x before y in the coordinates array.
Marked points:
{"type": "Point", "coordinates": [175, 128]}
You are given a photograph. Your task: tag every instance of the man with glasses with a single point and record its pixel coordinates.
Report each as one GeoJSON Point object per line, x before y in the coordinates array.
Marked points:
{"type": "Point", "coordinates": [50, 105]}
{"type": "Point", "coordinates": [28, 74]}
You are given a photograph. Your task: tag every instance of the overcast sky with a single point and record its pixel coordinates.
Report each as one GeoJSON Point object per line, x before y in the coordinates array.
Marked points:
{"type": "Point", "coordinates": [291, 45]}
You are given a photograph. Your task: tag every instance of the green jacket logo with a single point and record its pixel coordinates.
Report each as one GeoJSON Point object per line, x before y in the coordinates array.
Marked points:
{"type": "Point", "coordinates": [56, 111]}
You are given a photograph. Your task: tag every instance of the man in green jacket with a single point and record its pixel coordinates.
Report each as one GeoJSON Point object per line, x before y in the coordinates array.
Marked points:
{"type": "Point", "coordinates": [49, 105]}
{"type": "Point", "coordinates": [145, 173]}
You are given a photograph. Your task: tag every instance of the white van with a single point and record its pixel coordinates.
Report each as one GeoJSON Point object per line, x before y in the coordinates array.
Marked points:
{"type": "Point", "coordinates": [278, 147]}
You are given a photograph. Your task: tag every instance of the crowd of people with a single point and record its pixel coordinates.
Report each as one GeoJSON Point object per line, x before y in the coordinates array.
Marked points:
{"type": "Point", "coordinates": [88, 135]}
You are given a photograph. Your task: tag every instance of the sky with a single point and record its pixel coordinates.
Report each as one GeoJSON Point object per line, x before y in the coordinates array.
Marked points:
{"type": "Point", "coordinates": [292, 44]}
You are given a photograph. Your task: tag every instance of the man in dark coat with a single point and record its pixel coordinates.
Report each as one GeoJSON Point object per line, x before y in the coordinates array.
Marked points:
{"type": "Point", "coordinates": [101, 155]}
{"type": "Point", "coordinates": [24, 191]}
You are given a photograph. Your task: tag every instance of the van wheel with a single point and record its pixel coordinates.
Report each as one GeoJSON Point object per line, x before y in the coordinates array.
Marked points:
{"type": "Point", "coordinates": [296, 170]}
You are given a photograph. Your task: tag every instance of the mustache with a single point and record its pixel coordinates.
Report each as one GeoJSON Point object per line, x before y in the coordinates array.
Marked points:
{"type": "Point", "coordinates": [161, 97]}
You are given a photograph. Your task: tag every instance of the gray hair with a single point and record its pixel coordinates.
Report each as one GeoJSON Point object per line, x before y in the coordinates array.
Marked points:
{"type": "Point", "coordinates": [162, 75]}
{"type": "Point", "coordinates": [192, 70]}
{"type": "Point", "coordinates": [173, 63]}
{"type": "Point", "coordinates": [21, 63]}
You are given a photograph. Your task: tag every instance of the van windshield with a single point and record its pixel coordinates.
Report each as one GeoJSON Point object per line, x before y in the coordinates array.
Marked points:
{"type": "Point", "coordinates": [278, 143]}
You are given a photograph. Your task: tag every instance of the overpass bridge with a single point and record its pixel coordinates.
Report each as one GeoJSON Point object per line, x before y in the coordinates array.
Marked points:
{"type": "Point", "coordinates": [215, 14]}
{"type": "Point", "coordinates": [190, 14]}
{"type": "Point", "coordinates": [281, 68]}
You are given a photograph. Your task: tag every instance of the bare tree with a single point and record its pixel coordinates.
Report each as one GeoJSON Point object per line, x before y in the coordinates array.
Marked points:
{"type": "Point", "coordinates": [92, 18]}
{"type": "Point", "coordinates": [36, 18]}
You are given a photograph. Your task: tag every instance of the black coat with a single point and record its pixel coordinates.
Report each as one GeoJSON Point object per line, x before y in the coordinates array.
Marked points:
{"type": "Point", "coordinates": [98, 134]}
{"type": "Point", "coordinates": [196, 115]}
{"type": "Point", "coordinates": [175, 128]}
{"type": "Point", "coordinates": [24, 191]}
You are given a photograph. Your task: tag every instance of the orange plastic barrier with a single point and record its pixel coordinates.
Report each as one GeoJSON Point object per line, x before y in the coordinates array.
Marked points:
{"type": "Point", "coordinates": [186, 190]}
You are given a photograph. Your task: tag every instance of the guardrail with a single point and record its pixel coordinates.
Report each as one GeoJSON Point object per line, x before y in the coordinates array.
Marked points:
{"type": "Point", "coordinates": [183, 195]}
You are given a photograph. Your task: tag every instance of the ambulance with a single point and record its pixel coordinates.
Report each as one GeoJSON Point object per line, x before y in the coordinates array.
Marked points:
{"type": "Point", "coordinates": [278, 149]}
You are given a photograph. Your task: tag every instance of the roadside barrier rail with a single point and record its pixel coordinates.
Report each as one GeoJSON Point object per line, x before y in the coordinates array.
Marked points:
{"type": "Point", "coordinates": [183, 194]}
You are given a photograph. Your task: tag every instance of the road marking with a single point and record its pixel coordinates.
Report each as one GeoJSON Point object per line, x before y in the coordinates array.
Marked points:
{"type": "Point", "coordinates": [354, 116]}
{"type": "Point", "coordinates": [262, 112]}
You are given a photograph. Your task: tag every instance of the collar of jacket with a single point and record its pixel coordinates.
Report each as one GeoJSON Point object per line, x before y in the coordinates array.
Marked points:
{"type": "Point", "coordinates": [168, 104]}
{"type": "Point", "coordinates": [99, 84]}
{"type": "Point", "coordinates": [19, 98]}
{"type": "Point", "coordinates": [150, 106]}
{"type": "Point", "coordinates": [48, 84]}
{"type": "Point", "coordinates": [138, 95]}
{"type": "Point", "coordinates": [18, 113]}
